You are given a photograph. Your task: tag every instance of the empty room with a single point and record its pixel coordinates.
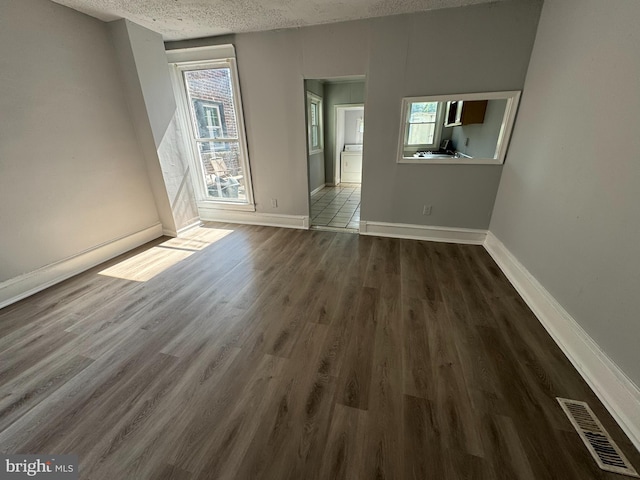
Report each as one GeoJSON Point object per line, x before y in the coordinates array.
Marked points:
{"type": "Point", "coordinates": [314, 239]}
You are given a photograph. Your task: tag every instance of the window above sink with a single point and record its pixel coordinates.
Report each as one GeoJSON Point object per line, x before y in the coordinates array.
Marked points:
{"type": "Point", "coordinates": [471, 128]}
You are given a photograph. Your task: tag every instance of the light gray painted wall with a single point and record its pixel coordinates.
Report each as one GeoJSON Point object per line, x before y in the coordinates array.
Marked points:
{"type": "Point", "coordinates": [72, 173]}
{"type": "Point", "coordinates": [153, 74]}
{"type": "Point", "coordinates": [351, 118]}
{"type": "Point", "coordinates": [151, 100]}
{"type": "Point", "coordinates": [172, 154]}
{"type": "Point", "coordinates": [483, 137]}
{"type": "Point", "coordinates": [274, 110]}
{"type": "Point", "coordinates": [159, 98]}
{"type": "Point", "coordinates": [316, 171]}
{"type": "Point", "coordinates": [314, 86]}
{"type": "Point", "coordinates": [315, 161]}
{"type": "Point", "coordinates": [567, 207]}
{"type": "Point", "coordinates": [343, 93]}
{"type": "Point", "coordinates": [489, 52]}
{"type": "Point", "coordinates": [272, 67]}
{"type": "Point", "coordinates": [447, 132]}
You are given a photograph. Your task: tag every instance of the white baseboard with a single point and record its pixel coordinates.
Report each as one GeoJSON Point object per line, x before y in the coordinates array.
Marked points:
{"type": "Point", "coordinates": [254, 218]}
{"type": "Point", "coordinates": [176, 233]}
{"type": "Point", "coordinates": [186, 228]}
{"type": "Point", "coordinates": [316, 190]}
{"type": "Point", "coordinates": [27, 284]}
{"type": "Point", "coordinates": [423, 232]}
{"type": "Point", "coordinates": [617, 392]}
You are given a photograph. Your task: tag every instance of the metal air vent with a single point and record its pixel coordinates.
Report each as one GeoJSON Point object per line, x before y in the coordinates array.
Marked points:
{"type": "Point", "coordinates": [599, 443]}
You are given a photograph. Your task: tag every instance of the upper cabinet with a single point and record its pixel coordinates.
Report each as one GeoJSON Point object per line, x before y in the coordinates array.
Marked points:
{"type": "Point", "coordinates": [468, 112]}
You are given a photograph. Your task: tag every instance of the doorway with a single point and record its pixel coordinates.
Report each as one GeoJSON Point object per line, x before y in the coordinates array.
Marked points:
{"type": "Point", "coordinates": [335, 162]}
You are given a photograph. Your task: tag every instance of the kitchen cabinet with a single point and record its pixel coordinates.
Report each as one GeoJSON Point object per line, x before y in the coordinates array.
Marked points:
{"type": "Point", "coordinates": [465, 112]}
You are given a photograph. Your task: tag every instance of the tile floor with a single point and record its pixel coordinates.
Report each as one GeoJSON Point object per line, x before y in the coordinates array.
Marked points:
{"type": "Point", "coordinates": [337, 207]}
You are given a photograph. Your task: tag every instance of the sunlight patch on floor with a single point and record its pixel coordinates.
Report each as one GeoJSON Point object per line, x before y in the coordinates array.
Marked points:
{"type": "Point", "coordinates": [146, 265]}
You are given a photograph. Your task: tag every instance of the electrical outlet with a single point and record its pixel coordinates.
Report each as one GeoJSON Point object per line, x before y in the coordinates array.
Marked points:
{"type": "Point", "coordinates": [274, 203]}
{"type": "Point", "coordinates": [426, 210]}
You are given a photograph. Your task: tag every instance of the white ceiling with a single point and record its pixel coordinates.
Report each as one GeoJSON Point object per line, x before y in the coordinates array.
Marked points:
{"type": "Point", "coordinates": [183, 19]}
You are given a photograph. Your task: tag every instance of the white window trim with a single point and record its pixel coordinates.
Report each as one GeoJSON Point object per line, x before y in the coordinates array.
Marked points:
{"type": "Point", "coordinates": [201, 58]}
{"type": "Point", "coordinates": [437, 134]}
{"type": "Point", "coordinates": [313, 98]}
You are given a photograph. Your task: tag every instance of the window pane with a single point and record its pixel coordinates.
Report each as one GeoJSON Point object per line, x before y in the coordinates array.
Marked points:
{"type": "Point", "coordinates": [423, 112]}
{"type": "Point", "coordinates": [222, 169]}
{"type": "Point", "coordinates": [213, 121]}
{"type": "Point", "coordinates": [212, 113]}
{"type": "Point", "coordinates": [314, 122]}
{"type": "Point", "coordinates": [421, 134]}
{"type": "Point", "coordinates": [211, 98]}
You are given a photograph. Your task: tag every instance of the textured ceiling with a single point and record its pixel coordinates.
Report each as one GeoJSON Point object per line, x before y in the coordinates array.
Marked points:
{"type": "Point", "coordinates": [183, 19]}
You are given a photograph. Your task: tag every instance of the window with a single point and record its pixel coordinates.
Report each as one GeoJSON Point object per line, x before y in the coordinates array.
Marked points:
{"type": "Point", "coordinates": [466, 128]}
{"type": "Point", "coordinates": [423, 126]}
{"type": "Point", "coordinates": [214, 121]}
{"type": "Point", "coordinates": [314, 120]}
{"type": "Point", "coordinates": [211, 97]}
{"type": "Point", "coordinates": [210, 104]}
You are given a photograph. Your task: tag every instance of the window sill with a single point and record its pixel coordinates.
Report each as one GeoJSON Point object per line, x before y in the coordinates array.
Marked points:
{"type": "Point", "coordinates": [246, 207]}
{"type": "Point", "coordinates": [449, 161]}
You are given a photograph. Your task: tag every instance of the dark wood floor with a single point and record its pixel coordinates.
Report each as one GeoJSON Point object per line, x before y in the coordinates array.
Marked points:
{"type": "Point", "coordinates": [254, 352]}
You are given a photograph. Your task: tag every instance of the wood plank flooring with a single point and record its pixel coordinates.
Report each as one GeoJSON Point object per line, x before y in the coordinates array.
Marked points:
{"type": "Point", "coordinates": [243, 352]}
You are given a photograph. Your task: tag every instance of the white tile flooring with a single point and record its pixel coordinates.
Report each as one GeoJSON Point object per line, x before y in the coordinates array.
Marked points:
{"type": "Point", "coordinates": [337, 207]}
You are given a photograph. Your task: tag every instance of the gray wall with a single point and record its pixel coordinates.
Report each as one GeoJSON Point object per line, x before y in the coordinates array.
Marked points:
{"type": "Point", "coordinates": [315, 161]}
{"type": "Point", "coordinates": [483, 137]}
{"type": "Point", "coordinates": [72, 173]}
{"type": "Point", "coordinates": [351, 118]}
{"type": "Point", "coordinates": [272, 66]}
{"type": "Point", "coordinates": [151, 101]}
{"type": "Point", "coordinates": [342, 93]}
{"type": "Point", "coordinates": [567, 207]}
{"type": "Point", "coordinates": [489, 52]}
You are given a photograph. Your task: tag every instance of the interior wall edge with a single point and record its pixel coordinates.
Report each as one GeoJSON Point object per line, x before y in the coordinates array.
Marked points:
{"type": "Point", "coordinates": [619, 394]}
